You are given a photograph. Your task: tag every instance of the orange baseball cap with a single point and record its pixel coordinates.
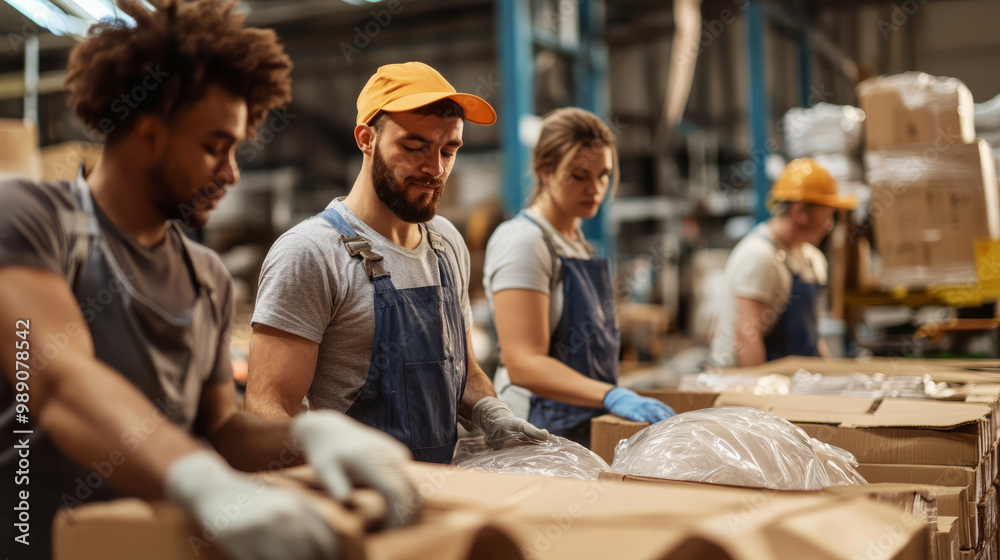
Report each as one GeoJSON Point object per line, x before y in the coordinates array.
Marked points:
{"type": "Point", "coordinates": [410, 85]}
{"type": "Point", "coordinates": [805, 180]}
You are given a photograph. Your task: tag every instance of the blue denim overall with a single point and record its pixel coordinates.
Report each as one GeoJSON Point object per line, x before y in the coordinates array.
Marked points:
{"type": "Point", "coordinates": [586, 339]}
{"type": "Point", "coordinates": [414, 396]}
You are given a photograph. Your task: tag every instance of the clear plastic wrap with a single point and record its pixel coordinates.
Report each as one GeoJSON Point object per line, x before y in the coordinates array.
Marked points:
{"type": "Point", "coordinates": [775, 384]}
{"type": "Point", "coordinates": [823, 129]}
{"type": "Point", "coordinates": [988, 116]}
{"type": "Point", "coordinates": [863, 385]}
{"type": "Point", "coordinates": [914, 107]}
{"type": "Point", "coordinates": [900, 167]}
{"type": "Point", "coordinates": [844, 167]}
{"type": "Point", "coordinates": [557, 457]}
{"type": "Point", "coordinates": [918, 89]}
{"type": "Point", "coordinates": [929, 205]}
{"type": "Point", "coordinates": [737, 446]}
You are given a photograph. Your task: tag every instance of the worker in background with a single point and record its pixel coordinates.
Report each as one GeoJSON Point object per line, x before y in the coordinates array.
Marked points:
{"type": "Point", "coordinates": [364, 308]}
{"type": "Point", "coordinates": [776, 273]}
{"type": "Point", "coordinates": [551, 298]}
{"type": "Point", "coordinates": [115, 341]}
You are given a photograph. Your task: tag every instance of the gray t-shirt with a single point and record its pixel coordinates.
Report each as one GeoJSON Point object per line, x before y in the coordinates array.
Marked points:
{"type": "Point", "coordinates": [311, 287]}
{"type": "Point", "coordinates": [757, 269]}
{"type": "Point", "coordinates": [32, 234]}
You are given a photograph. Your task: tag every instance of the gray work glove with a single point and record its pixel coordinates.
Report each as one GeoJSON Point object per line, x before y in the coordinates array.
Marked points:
{"type": "Point", "coordinates": [499, 424]}
{"type": "Point", "coordinates": [345, 453]}
{"type": "Point", "coordinates": [250, 521]}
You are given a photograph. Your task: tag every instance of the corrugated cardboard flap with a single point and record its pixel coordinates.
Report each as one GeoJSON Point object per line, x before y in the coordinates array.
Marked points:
{"type": "Point", "coordinates": [795, 407]}
{"type": "Point", "coordinates": [921, 414]}
{"type": "Point", "coordinates": [858, 412]}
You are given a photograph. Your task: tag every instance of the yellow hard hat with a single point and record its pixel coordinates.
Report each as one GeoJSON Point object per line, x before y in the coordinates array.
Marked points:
{"type": "Point", "coordinates": [805, 180]}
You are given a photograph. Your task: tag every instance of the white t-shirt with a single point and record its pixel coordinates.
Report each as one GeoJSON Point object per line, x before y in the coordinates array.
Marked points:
{"type": "Point", "coordinates": [758, 269]}
{"type": "Point", "coordinates": [311, 287]}
{"type": "Point", "coordinates": [517, 258]}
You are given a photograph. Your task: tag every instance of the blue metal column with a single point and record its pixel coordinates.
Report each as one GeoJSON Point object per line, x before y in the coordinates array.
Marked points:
{"type": "Point", "coordinates": [806, 68]}
{"type": "Point", "coordinates": [516, 88]}
{"type": "Point", "coordinates": [757, 107]}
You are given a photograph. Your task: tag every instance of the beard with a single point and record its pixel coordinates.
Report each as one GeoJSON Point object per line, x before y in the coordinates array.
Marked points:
{"type": "Point", "coordinates": [393, 194]}
{"type": "Point", "coordinates": [192, 212]}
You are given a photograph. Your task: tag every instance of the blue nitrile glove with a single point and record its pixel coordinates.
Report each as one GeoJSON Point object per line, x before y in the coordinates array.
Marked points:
{"type": "Point", "coordinates": [625, 403]}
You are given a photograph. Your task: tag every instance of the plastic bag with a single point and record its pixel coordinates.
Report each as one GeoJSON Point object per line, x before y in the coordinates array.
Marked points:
{"type": "Point", "coordinates": [823, 129]}
{"type": "Point", "coordinates": [988, 115]}
{"type": "Point", "coordinates": [737, 446]}
{"type": "Point", "coordinates": [775, 384]}
{"type": "Point", "coordinates": [863, 385]}
{"type": "Point", "coordinates": [556, 456]}
{"type": "Point", "coordinates": [918, 89]}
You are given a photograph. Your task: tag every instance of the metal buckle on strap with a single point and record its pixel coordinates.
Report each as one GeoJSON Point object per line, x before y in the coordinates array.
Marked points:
{"type": "Point", "coordinates": [437, 241]}
{"type": "Point", "coordinates": [358, 247]}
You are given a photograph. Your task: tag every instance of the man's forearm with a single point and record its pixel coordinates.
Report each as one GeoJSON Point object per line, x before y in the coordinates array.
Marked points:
{"type": "Point", "coordinates": [252, 443]}
{"type": "Point", "coordinates": [77, 418]}
{"type": "Point", "coordinates": [477, 386]}
{"type": "Point", "coordinates": [269, 409]}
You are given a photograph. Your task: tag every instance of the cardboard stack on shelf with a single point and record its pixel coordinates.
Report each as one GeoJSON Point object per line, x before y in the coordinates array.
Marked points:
{"type": "Point", "coordinates": [19, 153]}
{"type": "Point", "coordinates": [934, 185]}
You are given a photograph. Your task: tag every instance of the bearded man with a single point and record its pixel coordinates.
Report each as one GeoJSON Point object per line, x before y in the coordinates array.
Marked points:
{"type": "Point", "coordinates": [364, 308]}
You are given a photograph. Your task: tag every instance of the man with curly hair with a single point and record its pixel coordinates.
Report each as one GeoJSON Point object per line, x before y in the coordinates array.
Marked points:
{"type": "Point", "coordinates": [364, 309]}
{"type": "Point", "coordinates": [116, 326]}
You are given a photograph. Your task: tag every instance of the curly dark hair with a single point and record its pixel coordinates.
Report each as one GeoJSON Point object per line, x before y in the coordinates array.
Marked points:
{"type": "Point", "coordinates": [168, 58]}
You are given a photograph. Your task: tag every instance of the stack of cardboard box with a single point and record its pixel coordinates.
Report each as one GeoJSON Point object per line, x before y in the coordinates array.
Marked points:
{"type": "Point", "coordinates": [19, 154]}
{"type": "Point", "coordinates": [487, 516]}
{"type": "Point", "coordinates": [934, 185]}
{"type": "Point", "coordinates": [945, 444]}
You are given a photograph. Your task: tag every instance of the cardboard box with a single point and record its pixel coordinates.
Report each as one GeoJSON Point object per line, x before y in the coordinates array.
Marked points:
{"type": "Point", "coordinates": [915, 107]}
{"type": "Point", "coordinates": [987, 511]}
{"type": "Point", "coordinates": [956, 371]}
{"type": "Point", "coordinates": [894, 431]}
{"type": "Point", "coordinates": [953, 502]}
{"type": "Point", "coordinates": [19, 155]}
{"type": "Point", "coordinates": [472, 514]}
{"type": "Point", "coordinates": [946, 538]}
{"type": "Point", "coordinates": [940, 475]}
{"type": "Point", "coordinates": [989, 550]}
{"type": "Point", "coordinates": [975, 534]}
{"type": "Point", "coordinates": [929, 205]}
{"type": "Point", "coordinates": [62, 161]}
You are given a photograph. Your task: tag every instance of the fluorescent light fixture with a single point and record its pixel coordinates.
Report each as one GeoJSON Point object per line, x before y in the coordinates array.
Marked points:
{"type": "Point", "coordinates": [95, 10]}
{"type": "Point", "coordinates": [44, 14]}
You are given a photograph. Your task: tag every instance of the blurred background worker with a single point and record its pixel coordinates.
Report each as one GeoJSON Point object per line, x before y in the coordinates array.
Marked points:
{"type": "Point", "coordinates": [776, 273]}
{"type": "Point", "coordinates": [127, 322]}
{"type": "Point", "coordinates": [552, 298]}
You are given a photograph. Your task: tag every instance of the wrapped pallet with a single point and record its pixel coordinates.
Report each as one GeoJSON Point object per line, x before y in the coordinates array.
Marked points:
{"type": "Point", "coordinates": [929, 204]}
{"type": "Point", "coordinates": [823, 129]}
{"type": "Point", "coordinates": [914, 107]}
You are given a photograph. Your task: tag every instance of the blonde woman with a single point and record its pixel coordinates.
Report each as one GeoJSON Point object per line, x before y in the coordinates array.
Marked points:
{"type": "Point", "coordinates": [552, 299]}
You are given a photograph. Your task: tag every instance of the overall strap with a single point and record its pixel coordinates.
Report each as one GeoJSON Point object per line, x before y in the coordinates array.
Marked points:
{"type": "Point", "coordinates": [449, 277]}
{"type": "Point", "coordinates": [83, 225]}
{"type": "Point", "coordinates": [356, 245]}
{"type": "Point", "coordinates": [548, 243]}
